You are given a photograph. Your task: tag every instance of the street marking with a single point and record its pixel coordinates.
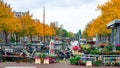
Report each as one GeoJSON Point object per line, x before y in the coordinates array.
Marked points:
{"type": "Point", "coordinates": [18, 67]}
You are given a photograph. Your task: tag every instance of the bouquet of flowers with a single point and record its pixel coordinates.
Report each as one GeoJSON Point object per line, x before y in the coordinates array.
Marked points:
{"type": "Point", "coordinates": [117, 44]}
{"type": "Point", "coordinates": [75, 48]}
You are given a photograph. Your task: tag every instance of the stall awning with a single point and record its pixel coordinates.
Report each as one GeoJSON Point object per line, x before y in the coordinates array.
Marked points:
{"type": "Point", "coordinates": [113, 23]}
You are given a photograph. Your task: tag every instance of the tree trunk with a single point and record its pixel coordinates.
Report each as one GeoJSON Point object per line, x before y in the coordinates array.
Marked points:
{"type": "Point", "coordinates": [31, 38]}
{"type": "Point", "coordinates": [6, 35]}
{"type": "Point", "coordinates": [16, 37]}
{"type": "Point", "coordinates": [38, 37]}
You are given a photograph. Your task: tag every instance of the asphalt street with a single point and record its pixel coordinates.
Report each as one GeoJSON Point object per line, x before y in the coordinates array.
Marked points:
{"type": "Point", "coordinates": [53, 65]}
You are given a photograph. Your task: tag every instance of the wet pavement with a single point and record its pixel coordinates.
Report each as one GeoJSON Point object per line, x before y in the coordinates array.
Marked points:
{"type": "Point", "coordinates": [53, 65]}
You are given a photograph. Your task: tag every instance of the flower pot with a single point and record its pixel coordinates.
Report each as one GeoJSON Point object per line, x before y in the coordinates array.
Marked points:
{"type": "Point", "coordinates": [81, 63]}
{"type": "Point", "coordinates": [37, 61]}
{"type": "Point", "coordinates": [46, 61]}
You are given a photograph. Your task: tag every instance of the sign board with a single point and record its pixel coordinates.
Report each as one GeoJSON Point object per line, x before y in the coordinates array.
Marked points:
{"type": "Point", "coordinates": [89, 63]}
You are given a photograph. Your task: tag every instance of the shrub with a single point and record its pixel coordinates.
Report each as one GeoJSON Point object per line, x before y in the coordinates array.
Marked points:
{"type": "Point", "coordinates": [97, 63]}
{"type": "Point", "coordinates": [109, 47]}
{"type": "Point", "coordinates": [38, 55]}
{"type": "Point", "coordinates": [95, 52]}
{"type": "Point", "coordinates": [77, 58]}
{"type": "Point", "coordinates": [117, 47]}
{"type": "Point", "coordinates": [74, 60]}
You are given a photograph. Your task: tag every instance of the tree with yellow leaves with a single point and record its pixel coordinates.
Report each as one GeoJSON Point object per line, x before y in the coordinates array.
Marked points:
{"type": "Point", "coordinates": [39, 29]}
{"type": "Point", "coordinates": [49, 31]}
{"type": "Point", "coordinates": [8, 22]}
{"type": "Point", "coordinates": [109, 11]}
{"type": "Point", "coordinates": [28, 25]}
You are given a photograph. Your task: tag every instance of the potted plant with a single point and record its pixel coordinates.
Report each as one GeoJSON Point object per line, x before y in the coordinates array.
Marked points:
{"type": "Point", "coordinates": [94, 64]}
{"type": "Point", "coordinates": [97, 63]}
{"type": "Point", "coordinates": [117, 46]}
{"type": "Point", "coordinates": [74, 60]}
{"type": "Point", "coordinates": [37, 58]}
{"type": "Point", "coordinates": [103, 45]}
{"type": "Point", "coordinates": [37, 55]}
{"type": "Point", "coordinates": [117, 64]}
{"type": "Point", "coordinates": [109, 47]}
{"type": "Point", "coordinates": [40, 56]}
{"type": "Point", "coordinates": [43, 55]}
{"type": "Point", "coordinates": [108, 64]}
{"type": "Point", "coordinates": [81, 63]}
{"type": "Point", "coordinates": [53, 58]}
{"type": "Point", "coordinates": [87, 50]}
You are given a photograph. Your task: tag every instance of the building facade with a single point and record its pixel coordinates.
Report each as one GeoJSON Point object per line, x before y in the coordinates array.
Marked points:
{"type": "Point", "coordinates": [115, 31]}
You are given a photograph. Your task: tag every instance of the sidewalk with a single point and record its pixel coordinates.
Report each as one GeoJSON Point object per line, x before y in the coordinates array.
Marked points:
{"type": "Point", "coordinates": [54, 65]}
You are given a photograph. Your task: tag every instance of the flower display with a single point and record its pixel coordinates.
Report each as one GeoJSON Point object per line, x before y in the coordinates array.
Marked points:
{"type": "Point", "coordinates": [117, 44]}
{"type": "Point", "coordinates": [75, 48]}
{"type": "Point", "coordinates": [103, 44]}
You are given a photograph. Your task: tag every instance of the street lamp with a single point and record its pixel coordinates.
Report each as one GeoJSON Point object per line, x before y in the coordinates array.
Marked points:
{"type": "Point", "coordinates": [44, 25]}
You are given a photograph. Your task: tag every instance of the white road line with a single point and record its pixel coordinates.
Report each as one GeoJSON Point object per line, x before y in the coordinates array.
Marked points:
{"type": "Point", "coordinates": [19, 67]}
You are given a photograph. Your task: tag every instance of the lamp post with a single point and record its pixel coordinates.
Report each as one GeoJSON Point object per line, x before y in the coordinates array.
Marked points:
{"type": "Point", "coordinates": [43, 38]}
{"type": "Point", "coordinates": [44, 25]}
{"type": "Point", "coordinates": [79, 36]}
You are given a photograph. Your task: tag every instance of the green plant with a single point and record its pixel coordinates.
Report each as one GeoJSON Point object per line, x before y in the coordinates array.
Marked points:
{"type": "Point", "coordinates": [117, 47]}
{"type": "Point", "coordinates": [38, 54]}
{"type": "Point", "coordinates": [51, 55]}
{"type": "Point", "coordinates": [109, 47]}
{"type": "Point", "coordinates": [108, 63]}
{"type": "Point", "coordinates": [43, 55]}
{"type": "Point", "coordinates": [85, 46]}
{"type": "Point", "coordinates": [73, 61]}
{"type": "Point", "coordinates": [95, 52]}
{"type": "Point", "coordinates": [97, 63]}
{"type": "Point", "coordinates": [117, 64]}
{"type": "Point", "coordinates": [94, 64]}
{"type": "Point", "coordinates": [77, 58]}
{"type": "Point", "coordinates": [12, 39]}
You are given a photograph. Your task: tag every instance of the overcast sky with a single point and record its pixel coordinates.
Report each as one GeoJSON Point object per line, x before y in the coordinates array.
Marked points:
{"type": "Point", "coordinates": [73, 14]}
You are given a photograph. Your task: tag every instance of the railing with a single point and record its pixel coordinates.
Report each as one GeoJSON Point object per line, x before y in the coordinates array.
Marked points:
{"type": "Point", "coordinates": [104, 58]}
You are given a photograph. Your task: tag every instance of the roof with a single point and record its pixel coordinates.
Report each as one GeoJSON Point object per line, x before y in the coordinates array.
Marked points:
{"type": "Point", "coordinates": [113, 23]}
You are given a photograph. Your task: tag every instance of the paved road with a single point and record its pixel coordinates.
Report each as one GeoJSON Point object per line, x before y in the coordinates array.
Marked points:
{"type": "Point", "coordinates": [54, 65]}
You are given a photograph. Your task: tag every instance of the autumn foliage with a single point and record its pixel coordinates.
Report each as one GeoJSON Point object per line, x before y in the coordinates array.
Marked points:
{"type": "Point", "coordinates": [8, 22]}
{"type": "Point", "coordinates": [24, 26]}
{"type": "Point", "coordinates": [109, 11]}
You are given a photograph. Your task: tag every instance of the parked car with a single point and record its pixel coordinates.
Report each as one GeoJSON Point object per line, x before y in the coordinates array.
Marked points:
{"type": "Point", "coordinates": [37, 43]}
{"type": "Point", "coordinates": [82, 41]}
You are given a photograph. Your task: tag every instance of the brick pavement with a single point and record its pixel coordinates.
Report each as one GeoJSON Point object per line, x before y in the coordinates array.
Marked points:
{"type": "Point", "coordinates": [54, 65]}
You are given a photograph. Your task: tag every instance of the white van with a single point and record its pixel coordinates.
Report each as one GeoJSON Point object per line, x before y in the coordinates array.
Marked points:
{"type": "Point", "coordinates": [82, 41]}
